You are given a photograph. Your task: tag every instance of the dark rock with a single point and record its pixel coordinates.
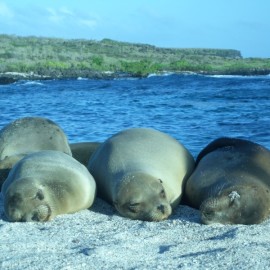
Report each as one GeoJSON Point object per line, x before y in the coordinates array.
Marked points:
{"type": "Point", "coordinates": [7, 80]}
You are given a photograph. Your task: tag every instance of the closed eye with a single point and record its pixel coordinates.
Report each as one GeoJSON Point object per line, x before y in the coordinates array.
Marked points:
{"type": "Point", "coordinates": [133, 207]}
{"type": "Point", "coordinates": [162, 194]}
{"type": "Point", "coordinates": [40, 195]}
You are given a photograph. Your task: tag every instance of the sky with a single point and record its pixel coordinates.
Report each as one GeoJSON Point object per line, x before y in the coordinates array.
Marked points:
{"type": "Point", "coordinates": [225, 24]}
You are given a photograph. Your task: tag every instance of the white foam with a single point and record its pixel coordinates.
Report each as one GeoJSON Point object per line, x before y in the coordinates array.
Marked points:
{"type": "Point", "coordinates": [239, 76]}
{"type": "Point", "coordinates": [33, 83]}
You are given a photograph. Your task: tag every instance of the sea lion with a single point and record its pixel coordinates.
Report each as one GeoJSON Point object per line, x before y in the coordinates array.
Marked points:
{"type": "Point", "coordinates": [5, 166]}
{"type": "Point", "coordinates": [45, 184]}
{"type": "Point", "coordinates": [30, 134]}
{"type": "Point", "coordinates": [83, 151]}
{"type": "Point", "coordinates": [27, 135]}
{"type": "Point", "coordinates": [142, 172]}
{"type": "Point", "coordinates": [231, 182]}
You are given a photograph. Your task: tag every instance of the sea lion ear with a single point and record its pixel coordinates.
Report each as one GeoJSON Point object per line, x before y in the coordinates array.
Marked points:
{"type": "Point", "coordinates": [234, 197]}
{"type": "Point", "coordinates": [161, 182]}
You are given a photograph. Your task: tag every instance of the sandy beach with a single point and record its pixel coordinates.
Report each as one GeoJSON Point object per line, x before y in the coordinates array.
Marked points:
{"type": "Point", "coordinates": [99, 238]}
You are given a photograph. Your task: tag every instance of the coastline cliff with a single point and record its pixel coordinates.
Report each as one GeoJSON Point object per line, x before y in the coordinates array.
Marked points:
{"type": "Point", "coordinates": [39, 58]}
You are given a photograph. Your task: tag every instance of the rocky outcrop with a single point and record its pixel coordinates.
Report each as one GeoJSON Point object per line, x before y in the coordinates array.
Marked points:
{"type": "Point", "coordinates": [12, 77]}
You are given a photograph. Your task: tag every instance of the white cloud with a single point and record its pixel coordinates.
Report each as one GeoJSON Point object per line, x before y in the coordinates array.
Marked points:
{"type": "Point", "coordinates": [5, 11]}
{"type": "Point", "coordinates": [66, 11]}
{"type": "Point", "coordinates": [54, 15]}
{"type": "Point", "coordinates": [69, 17]}
{"type": "Point", "coordinates": [89, 23]}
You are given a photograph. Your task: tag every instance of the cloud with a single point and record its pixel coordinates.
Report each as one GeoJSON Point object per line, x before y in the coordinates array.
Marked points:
{"type": "Point", "coordinates": [64, 15]}
{"type": "Point", "coordinates": [88, 23]}
{"type": "Point", "coordinates": [5, 11]}
{"type": "Point", "coordinates": [66, 11]}
{"type": "Point", "coordinates": [54, 15]}
{"type": "Point", "coordinates": [62, 21]}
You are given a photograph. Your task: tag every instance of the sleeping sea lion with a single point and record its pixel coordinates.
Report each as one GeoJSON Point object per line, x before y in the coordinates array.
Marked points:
{"type": "Point", "coordinates": [231, 182]}
{"type": "Point", "coordinates": [142, 172]}
{"type": "Point", "coordinates": [45, 184]}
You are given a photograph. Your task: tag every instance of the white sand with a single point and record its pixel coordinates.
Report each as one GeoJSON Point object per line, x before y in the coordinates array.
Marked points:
{"type": "Point", "coordinates": [100, 239]}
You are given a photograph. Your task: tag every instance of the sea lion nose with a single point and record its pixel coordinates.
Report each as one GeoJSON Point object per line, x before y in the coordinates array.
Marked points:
{"type": "Point", "coordinates": [161, 208]}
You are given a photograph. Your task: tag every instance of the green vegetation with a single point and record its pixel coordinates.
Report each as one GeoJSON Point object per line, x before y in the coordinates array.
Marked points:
{"type": "Point", "coordinates": [89, 58]}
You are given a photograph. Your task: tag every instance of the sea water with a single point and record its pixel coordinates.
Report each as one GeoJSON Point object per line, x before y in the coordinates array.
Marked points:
{"type": "Point", "coordinates": [194, 109]}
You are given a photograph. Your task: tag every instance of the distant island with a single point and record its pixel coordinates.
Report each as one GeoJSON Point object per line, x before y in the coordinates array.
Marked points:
{"type": "Point", "coordinates": [39, 58]}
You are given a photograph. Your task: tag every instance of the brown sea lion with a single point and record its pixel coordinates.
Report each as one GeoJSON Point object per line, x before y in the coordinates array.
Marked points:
{"type": "Point", "coordinates": [231, 182]}
{"type": "Point", "coordinates": [82, 151]}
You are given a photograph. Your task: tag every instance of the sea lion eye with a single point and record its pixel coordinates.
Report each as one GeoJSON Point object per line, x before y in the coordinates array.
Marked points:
{"type": "Point", "coordinates": [209, 212]}
{"type": "Point", "coordinates": [16, 199]}
{"type": "Point", "coordinates": [162, 194]}
{"type": "Point", "coordinates": [40, 195]}
{"type": "Point", "coordinates": [133, 207]}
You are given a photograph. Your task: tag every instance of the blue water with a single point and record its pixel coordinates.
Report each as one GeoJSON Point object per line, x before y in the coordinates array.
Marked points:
{"type": "Point", "coordinates": [194, 109]}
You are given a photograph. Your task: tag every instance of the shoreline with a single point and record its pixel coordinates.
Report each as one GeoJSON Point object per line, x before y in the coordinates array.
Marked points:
{"type": "Point", "coordinates": [12, 77]}
{"type": "Point", "coordinates": [40, 58]}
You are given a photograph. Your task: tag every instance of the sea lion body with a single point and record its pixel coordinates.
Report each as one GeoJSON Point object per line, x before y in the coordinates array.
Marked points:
{"type": "Point", "coordinates": [27, 135]}
{"type": "Point", "coordinates": [82, 151]}
{"type": "Point", "coordinates": [45, 184]}
{"type": "Point", "coordinates": [231, 182]}
{"type": "Point", "coordinates": [142, 172]}
{"type": "Point", "coordinates": [30, 134]}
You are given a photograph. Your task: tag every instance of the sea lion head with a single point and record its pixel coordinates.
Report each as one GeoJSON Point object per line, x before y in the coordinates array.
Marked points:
{"type": "Point", "coordinates": [24, 201]}
{"type": "Point", "coordinates": [142, 197]}
{"type": "Point", "coordinates": [246, 204]}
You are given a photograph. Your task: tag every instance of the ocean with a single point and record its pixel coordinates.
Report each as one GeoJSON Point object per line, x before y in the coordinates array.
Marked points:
{"type": "Point", "coordinates": [194, 109]}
